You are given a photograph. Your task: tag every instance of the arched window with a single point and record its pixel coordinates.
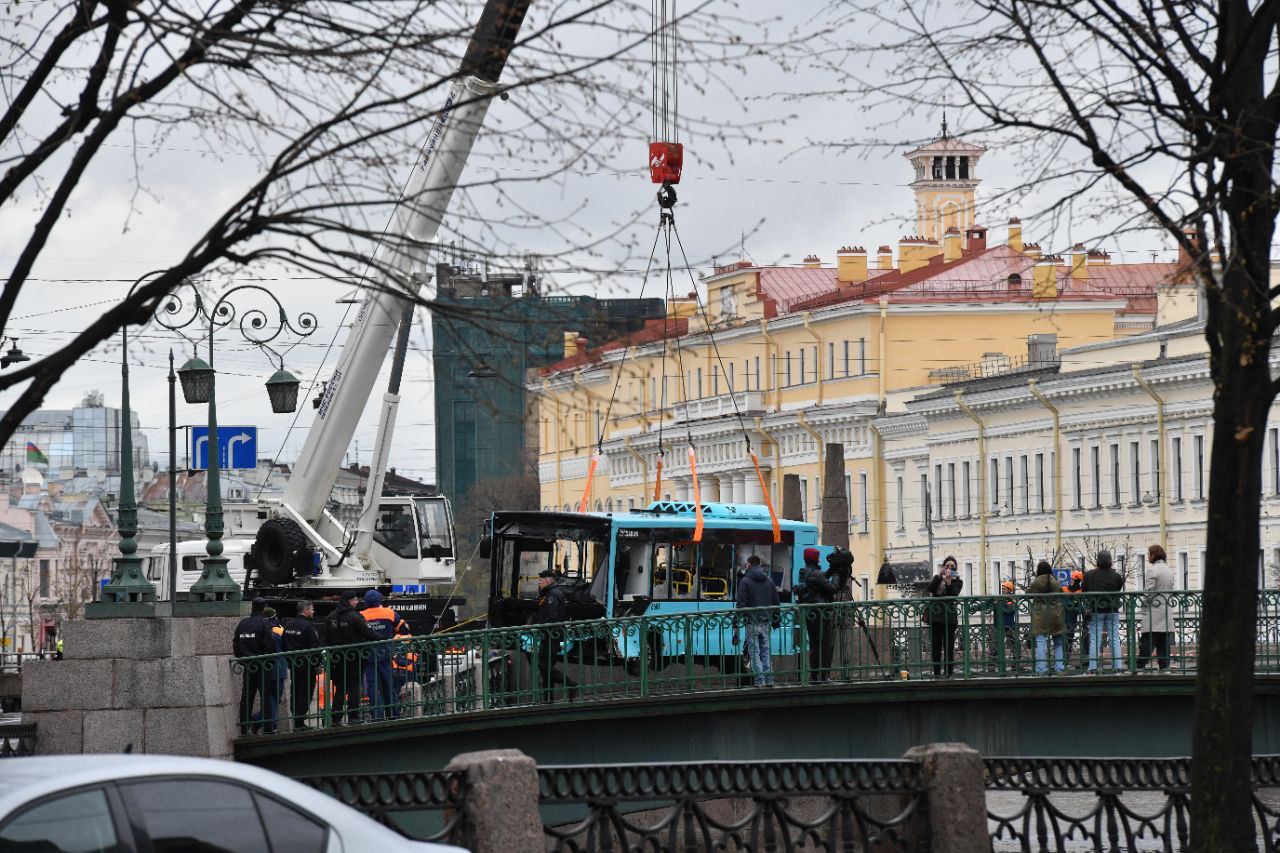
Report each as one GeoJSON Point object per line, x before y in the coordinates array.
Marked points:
{"type": "Point", "coordinates": [608, 505]}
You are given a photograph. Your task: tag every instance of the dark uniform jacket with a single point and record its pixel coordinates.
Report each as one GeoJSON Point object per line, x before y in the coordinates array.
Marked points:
{"type": "Point", "coordinates": [300, 633]}
{"type": "Point", "coordinates": [1103, 580]}
{"type": "Point", "coordinates": [346, 626]}
{"type": "Point", "coordinates": [552, 606]}
{"type": "Point", "coordinates": [253, 637]}
{"type": "Point", "coordinates": [814, 586]}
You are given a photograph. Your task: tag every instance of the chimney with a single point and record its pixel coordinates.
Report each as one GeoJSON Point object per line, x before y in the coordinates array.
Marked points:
{"type": "Point", "coordinates": [951, 245]}
{"type": "Point", "coordinates": [1078, 258]}
{"type": "Point", "coordinates": [884, 258]}
{"type": "Point", "coordinates": [813, 262]}
{"type": "Point", "coordinates": [1042, 349]}
{"type": "Point", "coordinates": [851, 264]}
{"type": "Point", "coordinates": [1015, 234]}
{"type": "Point", "coordinates": [1098, 258]}
{"type": "Point", "coordinates": [975, 239]}
{"type": "Point", "coordinates": [1185, 258]}
{"type": "Point", "coordinates": [1031, 250]}
{"type": "Point", "coordinates": [1045, 278]}
{"type": "Point", "coordinates": [570, 344]}
{"type": "Point", "coordinates": [915, 252]}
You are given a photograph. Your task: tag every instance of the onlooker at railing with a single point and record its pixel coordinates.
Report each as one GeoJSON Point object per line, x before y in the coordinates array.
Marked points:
{"type": "Point", "coordinates": [1047, 624]}
{"type": "Point", "coordinates": [279, 672]}
{"type": "Point", "coordinates": [299, 635]}
{"type": "Point", "coordinates": [253, 637]}
{"type": "Point", "coordinates": [1105, 616]}
{"type": "Point", "coordinates": [344, 627]}
{"type": "Point", "coordinates": [942, 616]}
{"type": "Point", "coordinates": [1077, 619]}
{"type": "Point", "coordinates": [1005, 633]}
{"type": "Point", "coordinates": [757, 589]}
{"type": "Point", "coordinates": [815, 588]}
{"type": "Point", "coordinates": [553, 607]}
{"type": "Point", "coordinates": [1154, 612]}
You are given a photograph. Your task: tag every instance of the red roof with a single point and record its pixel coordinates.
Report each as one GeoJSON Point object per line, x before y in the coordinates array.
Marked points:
{"type": "Point", "coordinates": [789, 286]}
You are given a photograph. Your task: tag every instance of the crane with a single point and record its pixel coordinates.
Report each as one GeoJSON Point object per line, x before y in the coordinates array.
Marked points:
{"type": "Point", "coordinates": [402, 541]}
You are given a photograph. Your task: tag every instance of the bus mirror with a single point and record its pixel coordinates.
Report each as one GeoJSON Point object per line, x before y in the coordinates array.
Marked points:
{"type": "Point", "coordinates": [485, 547]}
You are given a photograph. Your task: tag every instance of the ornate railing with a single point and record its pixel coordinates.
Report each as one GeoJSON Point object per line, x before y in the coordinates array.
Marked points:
{"type": "Point", "coordinates": [726, 805]}
{"type": "Point", "coordinates": [653, 656]}
{"type": "Point", "coordinates": [17, 740]}
{"type": "Point", "coordinates": [427, 805]}
{"type": "Point", "coordinates": [1109, 804]}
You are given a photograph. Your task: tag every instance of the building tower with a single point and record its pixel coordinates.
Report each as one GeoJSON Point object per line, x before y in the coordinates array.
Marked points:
{"type": "Point", "coordinates": [945, 181]}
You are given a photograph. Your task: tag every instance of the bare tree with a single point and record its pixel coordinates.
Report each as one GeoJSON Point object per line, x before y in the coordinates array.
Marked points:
{"type": "Point", "coordinates": [76, 582]}
{"type": "Point", "coordinates": [516, 492]}
{"type": "Point", "coordinates": [1162, 116]}
{"type": "Point", "coordinates": [330, 102]}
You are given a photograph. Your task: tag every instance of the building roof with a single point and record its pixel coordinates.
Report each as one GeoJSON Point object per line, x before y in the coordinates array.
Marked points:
{"type": "Point", "coordinates": [9, 533]}
{"type": "Point", "coordinates": [45, 537]}
{"type": "Point", "coordinates": [788, 286]}
{"type": "Point", "coordinates": [946, 145]}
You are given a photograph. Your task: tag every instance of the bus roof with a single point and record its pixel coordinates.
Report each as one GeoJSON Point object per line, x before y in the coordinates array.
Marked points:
{"type": "Point", "coordinates": [665, 512]}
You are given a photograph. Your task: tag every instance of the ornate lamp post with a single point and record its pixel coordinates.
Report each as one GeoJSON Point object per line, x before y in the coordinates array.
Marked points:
{"type": "Point", "coordinates": [128, 593]}
{"type": "Point", "coordinates": [215, 591]}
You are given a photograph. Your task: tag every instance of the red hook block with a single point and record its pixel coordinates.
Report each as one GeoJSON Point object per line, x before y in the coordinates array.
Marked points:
{"type": "Point", "coordinates": [665, 161]}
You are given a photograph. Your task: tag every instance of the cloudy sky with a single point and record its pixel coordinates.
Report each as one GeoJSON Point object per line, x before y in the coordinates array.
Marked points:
{"type": "Point", "coordinates": [780, 195]}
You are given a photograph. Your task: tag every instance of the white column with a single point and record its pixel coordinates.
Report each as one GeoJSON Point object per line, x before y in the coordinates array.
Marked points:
{"type": "Point", "coordinates": [709, 488]}
{"type": "Point", "coordinates": [727, 493]}
{"type": "Point", "coordinates": [680, 488]}
{"type": "Point", "coordinates": [752, 493]}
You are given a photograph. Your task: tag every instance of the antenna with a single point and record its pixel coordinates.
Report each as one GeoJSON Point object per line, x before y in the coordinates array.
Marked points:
{"type": "Point", "coordinates": [944, 122]}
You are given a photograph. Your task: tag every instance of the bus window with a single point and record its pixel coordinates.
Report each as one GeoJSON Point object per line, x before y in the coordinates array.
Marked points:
{"type": "Point", "coordinates": [632, 566]}
{"type": "Point", "coordinates": [776, 560]}
{"type": "Point", "coordinates": [675, 569]}
{"type": "Point", "coordinates": [192, 564]}
{"type": "Point", "coordinates": [715, 571]}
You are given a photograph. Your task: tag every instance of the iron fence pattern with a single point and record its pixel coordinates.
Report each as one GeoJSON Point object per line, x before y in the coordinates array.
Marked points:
{"type": "Point", "coordinates": [765, 805]}
{"type": "Point", "coordinates": [17, 740]}
{"type": "Point", "coordinates": [1101, 819]}
{"type": "Point", "coordinates": [391, 797]}
{"type": "Point", "coordinates": [968, 637]}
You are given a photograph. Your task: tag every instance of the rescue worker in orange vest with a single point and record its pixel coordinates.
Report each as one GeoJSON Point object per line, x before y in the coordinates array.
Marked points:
{"type": "Point", "coordinates": [404, 665]}
{"type": "Point", "coordinates": [377, 676]}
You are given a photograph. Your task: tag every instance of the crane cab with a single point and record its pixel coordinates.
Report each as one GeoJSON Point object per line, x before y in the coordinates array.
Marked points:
{"type": "Point", "coordinates": [413, 541]}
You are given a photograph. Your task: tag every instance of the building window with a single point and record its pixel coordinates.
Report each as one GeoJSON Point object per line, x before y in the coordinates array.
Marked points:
{"type": "Point", "coordinates": [1077, 490]}
{"type": "Point", "coordinates": [804, 499]}
{"type": "Point", "coordinates": [730, 377]}
{"type": "Point", "coordinates": [924, 499]}
{"type": "Point", "coordinates": [1025, 478]}
{"type": "Point", "coordinates": [1155, 467]}
{"type": "Point", "coordinates": [1275, 462]}
{"type": "Point", "coordinates": [1008, 481]}
{"type": "Point", "coordinates": [728, 304]}
{"type": "Point", "coordinates": [1095, 456]}
{"type": "Point", "coordinates": [995, 483]}
{"type": "Point", "coordinates": [831, 360]}
{"type": "Point", "coordinates": [1184, 569]}
{"type": "Point", "coordinates": [1177, 468]}
{"type": "Point", "coordinates": [44, 578]}
{"type": "Point", "coordinates": [968, 492]}
{"type": "Point", "coordinates": [863, 503]}
{"type": "Point", "coordinates": [697, 388]}
{"type": "Point", "coordinates": [788, 374]}
{"type": "Point", "coordinates": [803, 377]}
{"type": "Point", "coordinates": [848, 494]}
{"type": "Point", "coordinates": [846, 358]}
{"type": "Point", "coordinates": [951, 489]}
{"type": "Point", "coordinates": [1199, 460]}
{"type": "Point", "coordinates": [1040, 482]}
{"type": "Point", "coordinates": [937, 484]}
{"type": "Point", "coordinates": [1135, 473]}
{"type": "Point", "coordinates": [1115, 474]}
{"type": "Point", "coordinates": [862, 356]}
{"type": "Point", "coordinates": [715, 380]}
{"type": "Point", "coordinates": [902, 510]}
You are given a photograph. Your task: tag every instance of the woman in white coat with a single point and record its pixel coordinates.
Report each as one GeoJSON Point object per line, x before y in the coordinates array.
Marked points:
{"type": "Point", "coordinates": [1157, 606]}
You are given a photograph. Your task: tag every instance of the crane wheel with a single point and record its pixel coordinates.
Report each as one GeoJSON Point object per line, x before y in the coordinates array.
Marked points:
{"type": "Point", "coordinates": [281, 551]}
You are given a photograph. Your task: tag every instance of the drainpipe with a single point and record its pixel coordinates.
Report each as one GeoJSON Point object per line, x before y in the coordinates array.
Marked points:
{"type": "Point", "coordinates": [546, 393]}
{"type": "Point", "coordinates": [776, 477]}
{"type": "Point", "coordinates": [817, 439]}
{"type": "Point", "coordinates": [982, 486]}
{"type": "Point", "coordinates": [769, 359]}
{"type": "Point", "coordinates": [879, 533]}
{"type": "Point", "coordinates": [880, 368]}
{"type": "Point", "coordinates": [1160, 454]}
{"type": "Point", "coordinates": [586, 409]}
{"type": "Point", "coordinates": [644, 466]}
{"type": "Point", "coordinates": [821, 356]}
{"type": "Point", "coordinates": [1034, 387]}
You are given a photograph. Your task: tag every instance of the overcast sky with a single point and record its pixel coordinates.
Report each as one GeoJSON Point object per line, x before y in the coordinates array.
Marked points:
{"type": "Point", "coordinates": [790, 197]}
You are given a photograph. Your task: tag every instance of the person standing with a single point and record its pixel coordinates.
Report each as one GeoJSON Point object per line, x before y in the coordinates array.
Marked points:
{"type": "Point", "coordinates": [1154, 614]}
{"type": "Point", "coordinates": [815, 588]}
{"type": "Point", "coordinates": [757, 589]}
{"type": "Point", "coordinates": [279, 672]}
{"type": "Point", "coordinates": [1047, 623]}
{"type": "Point", "coordinates": [1105, 610]}
{"type": "Point", "coordinates": [943, 617]}
{"type": "Point", "coordinates": [1005, 635]}
{"type": "Point", "coordinates": [553, 608]}
{"type": "Point", "coordinates": [300, 634]}
{"type": "Point", "coordinates": [253, 637]}
{"type": "Point", "coordinates": [385, 622]}
{"type": "Point", "coordinates": [345, 627]}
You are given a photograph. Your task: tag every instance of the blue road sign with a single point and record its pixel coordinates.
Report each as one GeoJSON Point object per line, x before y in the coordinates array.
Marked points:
{"type": "Point", "coordinates": [1063, 576]}
{"type": "Point", "coordinates": [237, 447]}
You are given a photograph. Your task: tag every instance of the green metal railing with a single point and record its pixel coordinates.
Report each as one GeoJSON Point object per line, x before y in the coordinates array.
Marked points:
{"type": "Point", "coordinates": [653, 656]}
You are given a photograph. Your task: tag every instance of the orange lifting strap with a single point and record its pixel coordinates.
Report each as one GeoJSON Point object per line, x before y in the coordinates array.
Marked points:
{"type": "Point", "coordinates": [697, 494]}
{"type": "Point", "coordinates": [591, 472]}
{"type": "Point", "coordinates": [657, 480]}
{"type": "Point", "coordinates": [773, 516]}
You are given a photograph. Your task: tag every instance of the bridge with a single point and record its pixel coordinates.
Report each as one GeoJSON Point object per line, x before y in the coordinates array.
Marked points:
{"type": "Point", "coordinates": [674, 688]}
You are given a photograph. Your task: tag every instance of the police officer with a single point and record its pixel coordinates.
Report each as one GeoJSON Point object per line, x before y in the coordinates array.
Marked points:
{"type": "Point", "coordinates": [553, 607]}
{"type": "Point", "coordinates": [253, 637]}
{"type": "Point", "coordinates": [299, 635]}
{"type": "Point", "coordinates": [344, 627]}
{"type": "Point", "coordinates": [815, 588]}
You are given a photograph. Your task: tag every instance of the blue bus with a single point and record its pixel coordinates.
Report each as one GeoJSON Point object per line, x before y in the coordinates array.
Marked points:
{"type": "Point", "coordinates": [640, 563]}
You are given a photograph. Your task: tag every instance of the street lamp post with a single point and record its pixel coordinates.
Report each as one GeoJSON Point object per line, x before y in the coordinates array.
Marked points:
{"type": "Point", "coordinates": [215, 592]}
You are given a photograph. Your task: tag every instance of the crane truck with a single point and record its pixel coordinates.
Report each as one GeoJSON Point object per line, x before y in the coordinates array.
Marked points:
{"type": "Point", "coordinates": [400, 543]}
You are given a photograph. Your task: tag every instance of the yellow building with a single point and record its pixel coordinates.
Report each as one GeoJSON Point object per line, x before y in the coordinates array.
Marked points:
{"type": "Point", "coordinates": [783, 360]}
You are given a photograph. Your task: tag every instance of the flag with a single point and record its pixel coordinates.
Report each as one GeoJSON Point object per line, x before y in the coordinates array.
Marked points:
{"type": "Point", "coordinates": [34, 456]}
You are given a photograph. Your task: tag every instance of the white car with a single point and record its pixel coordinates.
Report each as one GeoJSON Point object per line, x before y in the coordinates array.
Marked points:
{"type": "Point", "coordinates": [128, 803]}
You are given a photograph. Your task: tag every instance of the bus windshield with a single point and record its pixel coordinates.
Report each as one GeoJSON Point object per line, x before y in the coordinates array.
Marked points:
{"type": "Point", "coordinates": [574, 550]}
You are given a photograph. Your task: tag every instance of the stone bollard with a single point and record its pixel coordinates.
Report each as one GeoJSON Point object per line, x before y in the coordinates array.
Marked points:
{"type": "Point", "coordinates": [956, 797]}
{"type": "Point", "coordinates": [502, 801]}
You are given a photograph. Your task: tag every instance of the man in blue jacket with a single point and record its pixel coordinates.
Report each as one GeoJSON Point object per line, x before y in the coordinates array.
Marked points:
{"type": "Point", "coordinates": [757, 589]}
